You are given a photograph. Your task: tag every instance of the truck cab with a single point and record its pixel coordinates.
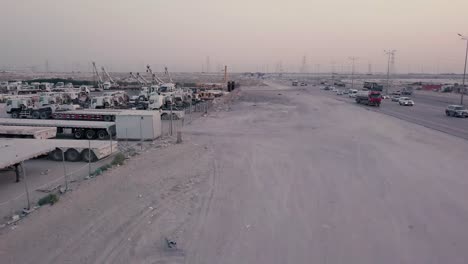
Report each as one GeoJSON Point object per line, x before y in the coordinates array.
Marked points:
{"type": "Point", "coordinates": [102, 102]}
{"type": "Point", "coordinates": [369, 98]}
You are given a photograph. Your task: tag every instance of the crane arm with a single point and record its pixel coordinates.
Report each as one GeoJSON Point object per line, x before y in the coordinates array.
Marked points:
{"type": "Point", "coordinates": [153, 75]}
{"type": "Point", "coordinates": [100, 82]}
{"type": "Point", "coordinates": [108, 75]}
{"type": "Point", "coordinates": [136, 78]}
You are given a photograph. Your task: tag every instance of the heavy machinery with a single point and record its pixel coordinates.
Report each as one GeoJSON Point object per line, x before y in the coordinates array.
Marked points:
{"type": "Point", "coordinates": [25, 108]}
{"type": "Point", "coordinates": [100, 83]}
{"type": "Point", "coordinates": [111, 83]}
{"type": "Point", "coordinates": [119, 98]}
{"type": "Point", "coordinates": [102, 102]}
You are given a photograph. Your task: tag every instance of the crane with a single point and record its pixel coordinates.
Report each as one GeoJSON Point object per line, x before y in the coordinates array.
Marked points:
{"type": "Point", "coordinates": [112, 82]}
{"type": "Point", "coordinates": [136, 78]}
{"type": "Point", "coordinates": [143, 79]}
{"type": "Point", "coordinates": [167, 72]}
{"type": "Point", "coordinates": [153, 75]}
{"type": "Point", "coordinates": [100, 82]}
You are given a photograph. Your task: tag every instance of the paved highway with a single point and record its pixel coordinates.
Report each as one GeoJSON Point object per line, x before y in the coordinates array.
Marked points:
{"type": "Point", "coordinates": [428, 111]}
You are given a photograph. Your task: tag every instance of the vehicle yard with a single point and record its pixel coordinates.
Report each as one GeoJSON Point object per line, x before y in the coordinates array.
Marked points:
{"type": "Point", "coordinates": [170, 204]}
{"type": "Point", "coordinates": [234, 132]}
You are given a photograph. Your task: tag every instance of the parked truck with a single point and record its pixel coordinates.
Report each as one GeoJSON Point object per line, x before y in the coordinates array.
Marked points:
{"type": "Point", "coordinates": [369, 98]}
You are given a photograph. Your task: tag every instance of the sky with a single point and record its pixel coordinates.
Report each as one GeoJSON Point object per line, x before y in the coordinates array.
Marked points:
{"type": "Point", "coordinates": [245, 35]}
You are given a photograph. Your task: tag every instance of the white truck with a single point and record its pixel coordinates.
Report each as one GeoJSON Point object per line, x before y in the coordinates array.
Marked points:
{"type": "Point", "coordinates": [24, 108]}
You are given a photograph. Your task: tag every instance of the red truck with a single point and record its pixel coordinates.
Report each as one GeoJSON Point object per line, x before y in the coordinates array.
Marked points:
{"type": "Point", "coordinates": [369, 98]}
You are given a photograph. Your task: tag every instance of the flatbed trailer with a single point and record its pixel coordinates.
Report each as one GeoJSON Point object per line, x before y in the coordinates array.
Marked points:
{"type": "Point", "coordinates": [13, 154]}
{"type": "Point", "coordinates": [74, 150]}
{"type": "Point", "coordinates": [111, 113]}
{"type": "Point", "coordinates": [79, 129]}
{"type": "Point", "coordinates": [88, 115]}
{"type": "Point", "coordinates": [28, 132]}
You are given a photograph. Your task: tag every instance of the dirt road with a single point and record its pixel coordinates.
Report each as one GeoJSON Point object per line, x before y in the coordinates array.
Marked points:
{"type": "Point", "coordinates": [285, 176]}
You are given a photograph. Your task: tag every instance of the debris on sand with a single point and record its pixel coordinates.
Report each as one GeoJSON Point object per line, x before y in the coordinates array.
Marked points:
{"type": "Point", "coordinates": [170, 243]}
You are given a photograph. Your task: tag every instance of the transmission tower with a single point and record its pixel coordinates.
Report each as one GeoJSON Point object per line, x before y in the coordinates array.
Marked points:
{"type": "Point", "coordinates": [208, 69]}
{"type": "Point", "coordinates": [304, 64]}
{"type": "Point", "coordinates": [391, 59]}
{"type": "Point", "coordinates": [392, 63]}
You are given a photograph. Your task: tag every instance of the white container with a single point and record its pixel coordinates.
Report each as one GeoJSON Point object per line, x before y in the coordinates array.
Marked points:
{"type": "Point", "coordinates": [138, 125]}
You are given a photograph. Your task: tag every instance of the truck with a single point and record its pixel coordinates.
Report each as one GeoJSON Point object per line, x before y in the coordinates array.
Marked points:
{"type": "Point", "coordinates": [79, 129]}
{"type": "Point", "coordinates": [373, 86]}
{"type": "Point", "coordinates": [24, 108]}
{"type": "Point", "coordinates": [369, 97]}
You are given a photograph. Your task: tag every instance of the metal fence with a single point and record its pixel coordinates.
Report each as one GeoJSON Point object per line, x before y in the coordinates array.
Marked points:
{"type": "Point", "coordinates": [28, 192]}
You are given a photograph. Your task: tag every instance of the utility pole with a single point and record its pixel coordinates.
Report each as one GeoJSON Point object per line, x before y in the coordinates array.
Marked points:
{"type": "Point", "coordinates": [464, 71]}
{"type": "Point", "coordinates": [390, 54]}
{"type": "Point", "coordinates": [353, 59]}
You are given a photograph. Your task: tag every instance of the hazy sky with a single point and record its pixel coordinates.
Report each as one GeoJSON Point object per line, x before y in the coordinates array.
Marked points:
{"type": "Point", "coordinates": [247, 35]}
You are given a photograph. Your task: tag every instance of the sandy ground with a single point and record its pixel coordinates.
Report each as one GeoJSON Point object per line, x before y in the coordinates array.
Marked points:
{"type": "Point", "coordinates": [284, 176]}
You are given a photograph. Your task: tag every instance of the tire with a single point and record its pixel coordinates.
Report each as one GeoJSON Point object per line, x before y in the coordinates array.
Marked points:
{"type": "Point", "coordinates": [164, 116]}
{"type": "Point", "coordinates": [56, 155]}
{"type": "Point", "coordinates": [14, 114]}
{"type": "Point", "coordinates": [102, 134]}
{"type": "Point", "coordinates": [78, 134]}
{"type": "Point", "coordinates": [72, 155]}
{"type": "Point", "coordinates": [447, 113]}
{"type": "Point", "coordinates": [36, 115]}
{"type": "Point", "coordinates": [44, 115]}
{"type": "Point", "coordinates": [90, 134]}
{"type": "Point", "coordinates": [106, 105]}
{"type": "Point", "coordinates": [174, 117]}
{"type": "Point", "coordinates": [108, 118]}
{"type": "Point", "coordinates": [88, 156]}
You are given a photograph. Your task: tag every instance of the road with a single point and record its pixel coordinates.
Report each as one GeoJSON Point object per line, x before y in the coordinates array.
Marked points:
{"type": "Point", "coordinates": [282, 176]}
{"type": "Point", "coordinates": [428, 111]}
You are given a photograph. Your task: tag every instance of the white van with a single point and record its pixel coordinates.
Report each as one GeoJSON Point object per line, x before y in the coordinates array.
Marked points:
{"type": "Point", "coordinates": [352, 93]}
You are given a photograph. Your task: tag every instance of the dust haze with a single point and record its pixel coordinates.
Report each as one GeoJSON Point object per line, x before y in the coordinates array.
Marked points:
{"type": "Point", "coordinates": [247, 35]}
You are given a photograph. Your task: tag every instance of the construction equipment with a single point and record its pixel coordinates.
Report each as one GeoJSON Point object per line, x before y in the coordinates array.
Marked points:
{"type": "Point", "coordinates": [100, 83]}
{"type": "Point", "coordinates": [111, 83]}
{"type": "Point", "coordinates": [102, 102]}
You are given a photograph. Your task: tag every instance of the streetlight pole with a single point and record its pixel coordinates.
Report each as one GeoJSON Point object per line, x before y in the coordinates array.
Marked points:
{"type": "Point", "coordinates": [389, 54]}
{"type": "Point", "coordinates": [464, 71]}
{"type": "Point", "coordinates": [352, 71]}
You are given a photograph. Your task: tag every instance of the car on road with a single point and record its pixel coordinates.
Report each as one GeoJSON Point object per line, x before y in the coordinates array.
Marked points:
{"type": "Point", "coordinates": [327, 88]}
{"type": "Point", "coordinates": [406, 101]}
{"type": "Point", "coordinates": [395, 98]}
{"type": "Point", "coordinates": [339, 92]}
{"type": "Point", "coordinates": [456, 111]}
{"type": "Point", "coordinates": [352, 93]}
{"type": "Point", "coordinates": [385, 97]}
{"type": "Point", "coordinates": [345, 92]}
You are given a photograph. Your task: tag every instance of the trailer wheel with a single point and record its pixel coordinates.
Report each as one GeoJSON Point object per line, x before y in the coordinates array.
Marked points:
{"type": "Point", "coordinates": [72, 155]}
{"type": "Point", "coordinates": [36, 115]}
{"type": "Point", "coordinates": [164, 116]}
{"type": "Point", "coordinates": [102, 134]}
{"type": "Point", "coordinates": [56, 155]}
{"type": "Point", "coordinates": [175, 117]}
{"type": "Point", "coordinates": [106, 105]}
{"type": "Point", "coordinates": [14, 114]}
{"type": "Point", "coordinates": [44, 115]}
{"type": "Point", "coordinates": [88, 156]}
{"type": "Point", "coordinates": [108, 118]}
{"type": "Point", "coordinates": [78, 134]}
{"type": "Point", "coordinates": [90, 134]}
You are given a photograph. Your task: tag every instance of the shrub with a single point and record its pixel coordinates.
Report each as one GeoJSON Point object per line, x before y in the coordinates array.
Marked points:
{"type": "Point", "coordinates": [48, 199]}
